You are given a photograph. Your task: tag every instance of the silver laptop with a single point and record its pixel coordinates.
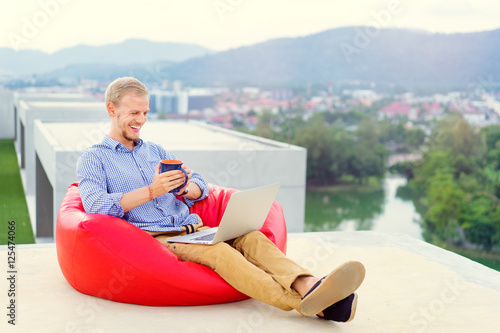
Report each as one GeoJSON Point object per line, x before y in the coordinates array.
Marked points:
{"type": "Point", "coordinates": [246, 211]}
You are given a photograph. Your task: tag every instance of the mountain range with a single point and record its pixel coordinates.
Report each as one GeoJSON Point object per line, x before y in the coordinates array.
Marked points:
{"type": "Point", "coordinates": [393, 56]}
{"type": "Point", "coordinates": [131, 51]}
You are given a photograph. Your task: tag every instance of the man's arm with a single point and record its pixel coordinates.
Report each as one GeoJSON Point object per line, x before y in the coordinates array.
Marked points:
{"type": "Point", "coordinates": [93, 187]}
{"type": "Point", "coordinates": [197, 188]}
{"type": "Point", "coordinates": [194, 191]}
{"type": "Point", "coordinates": [162, 184]}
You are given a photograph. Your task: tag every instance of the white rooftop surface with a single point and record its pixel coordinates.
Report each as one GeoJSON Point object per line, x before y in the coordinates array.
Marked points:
{"type": "Point", "coordinates": [54, 96]}
{"type": "Point", "coordinates": [172, 135]}
{"type": "Point", "coordinates": [66, 105]}
{"type": "Point", "coordinates": [410, 286]}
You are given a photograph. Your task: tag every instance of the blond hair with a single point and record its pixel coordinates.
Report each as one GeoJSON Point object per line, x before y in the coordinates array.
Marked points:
{"type": "Point", "coordinates": [123, 86]}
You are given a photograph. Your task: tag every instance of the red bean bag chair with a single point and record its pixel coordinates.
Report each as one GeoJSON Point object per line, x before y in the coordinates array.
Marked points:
{"type": "Point", "coordinates": [107, 257]}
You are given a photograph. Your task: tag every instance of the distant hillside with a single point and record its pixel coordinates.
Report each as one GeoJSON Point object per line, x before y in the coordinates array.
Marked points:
{"type": "Point", "coordinates": [132, 51]}
{"type": "Point", "coordinates": [394, 55]}
{"type": "Point", "coordinates": [398, 56]}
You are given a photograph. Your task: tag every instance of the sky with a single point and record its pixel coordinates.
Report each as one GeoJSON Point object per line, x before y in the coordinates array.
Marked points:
{"type": "Point", "coordinates": [51, 25]}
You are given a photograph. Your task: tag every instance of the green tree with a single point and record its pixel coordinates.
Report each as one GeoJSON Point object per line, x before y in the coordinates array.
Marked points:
{"type": "Point", "coordinates": [288, 129]}
{"type": "Point", "coordinates": [415, 138]}
{"type": "Point", "coordinates": [481, 218]}
{"type": "Point", "coordinates": [432, 163]}
{"type": "Point", "coordinates": [328, 150]}
{"type": "Point", "coordinates": [264, 125]}
{"type": "Point", "coordinates": [492, 136]}
{"type": "Point", "coordinates": [492, 160]}
{"type": "Point", "coordinates": [459, 186]}
{"type": "Point", "coordinates": [446, 201]}
{"type": "Point", "coordinates": [368, 157]}
{"type": "Point", "coordinates": [318, 140]}
{"type": "Point", "coordinates": [455, 134]}
{"type": "Point", "coordinates": [340, 151]}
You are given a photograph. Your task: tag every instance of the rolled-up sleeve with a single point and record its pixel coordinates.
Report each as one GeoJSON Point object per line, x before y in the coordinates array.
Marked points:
{"type": "Point", "coordinates": [202, 184]}
{"type": "Point", "coordinates": [93, 187]}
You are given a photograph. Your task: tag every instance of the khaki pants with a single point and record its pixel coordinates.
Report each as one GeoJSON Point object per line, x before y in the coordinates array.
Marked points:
{"type": "Point", "coordinates": [252, 264]}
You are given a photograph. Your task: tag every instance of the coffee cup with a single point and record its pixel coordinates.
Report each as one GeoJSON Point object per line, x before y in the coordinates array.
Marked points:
{"type": "Point", "coordinates": [169, 165]}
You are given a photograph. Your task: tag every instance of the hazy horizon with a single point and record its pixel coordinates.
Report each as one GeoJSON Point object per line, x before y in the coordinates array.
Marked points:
{"type": "Point", "coordinates": [52, 25]}
{"type": "Point", "coordinates": [155, 41]}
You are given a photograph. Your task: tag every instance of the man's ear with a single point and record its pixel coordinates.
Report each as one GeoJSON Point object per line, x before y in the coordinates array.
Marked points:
{"type": "Point", "coordinates": [111, 109]}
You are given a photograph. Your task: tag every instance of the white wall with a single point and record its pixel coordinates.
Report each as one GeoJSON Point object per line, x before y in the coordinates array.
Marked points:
{"type": "Point", "coordinates": [7, 115]}
{"type": "Point", "coordinates": [28, 113]}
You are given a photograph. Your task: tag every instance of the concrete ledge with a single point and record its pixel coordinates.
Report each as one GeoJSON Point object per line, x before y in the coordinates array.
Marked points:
{"type": "Point", "coordinates": [410, 286]}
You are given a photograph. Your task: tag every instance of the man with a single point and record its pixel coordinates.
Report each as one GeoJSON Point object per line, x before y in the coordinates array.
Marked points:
{"type": "Point", "coordinates": [121, 177]}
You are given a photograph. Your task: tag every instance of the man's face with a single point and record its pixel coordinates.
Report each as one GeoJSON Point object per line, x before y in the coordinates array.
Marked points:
{"type": "Point", "coordinates": [128, 118]}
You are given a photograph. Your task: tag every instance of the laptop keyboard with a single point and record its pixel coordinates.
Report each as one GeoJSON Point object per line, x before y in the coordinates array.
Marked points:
{"type": "Point", "coordinates": [208, 237]}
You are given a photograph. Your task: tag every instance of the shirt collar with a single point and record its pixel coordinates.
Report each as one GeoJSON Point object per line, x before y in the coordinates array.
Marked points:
{"type": "Point", "coordinates": [115, 145]}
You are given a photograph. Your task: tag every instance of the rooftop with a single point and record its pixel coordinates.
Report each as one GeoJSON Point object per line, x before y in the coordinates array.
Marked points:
{"type": "Point", "coordinates": [54, 96]}
{"type": "Point", "coordinates": [410, 286]}
{"type": "Point", "coordinates": [66, 105]}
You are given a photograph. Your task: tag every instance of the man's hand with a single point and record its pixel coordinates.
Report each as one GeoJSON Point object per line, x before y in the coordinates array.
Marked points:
{"type": "Point", "coordinates": [168, 181]}
{"type": "Point", "coordinates": [162, 184]}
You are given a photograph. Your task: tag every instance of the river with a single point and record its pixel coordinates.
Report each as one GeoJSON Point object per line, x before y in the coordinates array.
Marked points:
{"type": "Point", "coordinates": [378, 211]}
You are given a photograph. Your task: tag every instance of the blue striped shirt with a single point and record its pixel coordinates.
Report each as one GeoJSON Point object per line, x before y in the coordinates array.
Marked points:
{"type": "Point", "coordinates": [108, 170]}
